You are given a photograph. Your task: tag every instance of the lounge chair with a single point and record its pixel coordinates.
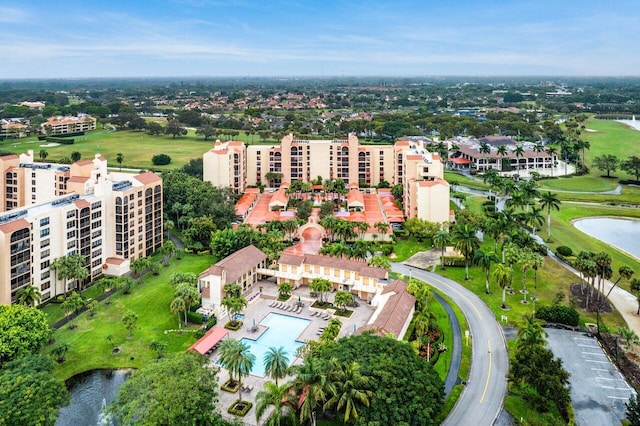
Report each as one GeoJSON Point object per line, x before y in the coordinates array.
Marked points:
{"type": "Point", "coordinates": [314, 313]}
{"type": "Point", "coordinates": [289, 308]}
{"type": "Point", "coordinates": [278, 305]}
{"type": "Point", "coordinates": [272, 304]}
{"type": "Point", "coordinates": [299, 309]}
{"type": "Point", "coordinates": [326, 316]}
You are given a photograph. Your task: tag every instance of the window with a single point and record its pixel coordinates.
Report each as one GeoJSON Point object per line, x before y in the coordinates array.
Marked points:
{"type": "Point", "coordinates": [45, 253]}
{"type": "Point", "coordinates": [44, 264]}
{"type": "Point", "coordinates": [71, 244]}
{"type": "Point", "coordinates": [46, 285]}
{"type": "Point", "coordinates": [96, 205]}
{"type": "Point", "coordinates": [45, 243]}
{"type": "Point", "coordinates": [44, 232]}
{"type": "Point", "coordinates": [71, 234]}
{"type": "Point", "coordinates": [45, 275]}
{"type": "Point", "coordinates": [71, 213]}
{"type": "Point", "coordinates": [71, 224]}
{"type": "Point", "coordinates": [44, 221]}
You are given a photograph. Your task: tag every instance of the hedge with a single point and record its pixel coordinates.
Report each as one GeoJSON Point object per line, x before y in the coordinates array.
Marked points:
{"type": "Point", "coordinates": [453, 260]}
{"type": "Point", "coordinates": [559, 314]}
{"type": "Point", "coordinates": [62, 141]}
{"type": "Point", "coordinates": [564, 251]}
{"type": "Point", "coordinates": [195, 318]}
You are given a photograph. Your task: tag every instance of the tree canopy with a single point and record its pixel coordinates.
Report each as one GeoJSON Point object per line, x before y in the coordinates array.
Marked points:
{"type": "Point", "coordinates": [397, 400]}
{"type": "Point", "coordinates": [29, 392]}
{"type": "Point", "coordinates": [23, 331]}
{"type": "Point", "coordinates": [177, 390]}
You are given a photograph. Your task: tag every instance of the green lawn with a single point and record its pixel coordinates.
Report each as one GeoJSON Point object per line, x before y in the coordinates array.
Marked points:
{"type": "Point", "coordinates": [564, 233]}
{"type": "Point", "coordinates": [465, 181]}
{"type": "Point", "coordinates": [150, 301]}
{"type": "Point", "coordinates": [137, 147]}
{"type": "Point", "coordinates": [586, 183]}
{"type": "Point", "coordinates": [552, 279]}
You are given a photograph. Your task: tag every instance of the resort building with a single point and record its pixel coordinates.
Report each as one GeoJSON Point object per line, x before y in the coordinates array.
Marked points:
{"type": "Point", "coordinates": [487, 153]}
{"type": "Point", "coordinates": [240, 268]}
{"type": "Point", "coordinates": [408, 162]}
{"type": "Point", "coordinates": [12, 128]}
{"type": "Point", "coordinates": [349, 275]}
{"type": "Point", "coordinates": [62, 125]}
{"type": "Point", "coordinates": [394, 310]}
{"type": "Point", "coordinates": [56, 211]}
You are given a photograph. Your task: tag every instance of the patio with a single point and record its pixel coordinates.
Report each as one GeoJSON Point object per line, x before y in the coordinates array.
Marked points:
{"type": "Point", "coordinates": [256, 312]}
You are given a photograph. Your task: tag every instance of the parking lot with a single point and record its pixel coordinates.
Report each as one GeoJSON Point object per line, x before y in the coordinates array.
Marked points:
{"type": "Point", "coordinates": [598, 390]}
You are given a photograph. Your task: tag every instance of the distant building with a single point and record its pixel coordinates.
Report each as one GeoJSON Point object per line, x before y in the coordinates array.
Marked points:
{"type": "Point", "coordinates": [52, 211]}
{"type": "Point", "coordinates": [33, 105]}
{"type": "Point", "coordinates": [61, 125]}
{"type": "Point", "coordinates": [12, 128]}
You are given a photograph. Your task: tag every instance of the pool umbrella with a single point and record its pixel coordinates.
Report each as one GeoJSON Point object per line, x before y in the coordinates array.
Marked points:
{"type": "Point", "coordinates": [299, 298]}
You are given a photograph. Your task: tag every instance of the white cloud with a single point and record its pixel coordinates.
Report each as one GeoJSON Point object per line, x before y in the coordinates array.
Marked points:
{"type": "Point", "coordinates": [12, 15]}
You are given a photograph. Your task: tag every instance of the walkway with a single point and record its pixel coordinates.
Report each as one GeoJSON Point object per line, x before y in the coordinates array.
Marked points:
{"type": "Point", "coordinates": [481, 401]}
{"type": "Point", "coordinates": [456, 355]}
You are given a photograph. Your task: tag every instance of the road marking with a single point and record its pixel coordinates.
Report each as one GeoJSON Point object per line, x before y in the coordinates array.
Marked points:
{"type": "Point", "coordinates": [608, 378]}
{"type": "Point", "coordinates": [600, 369]}
{"type": "Point", "coordinates": [618, 397]}
{"type": "Point", "coordinates": [486, 385]}
{"type": "Point", "coordinates": [583, 338]}
{"type": "Point", "coordinates": [587, 346]}
{"type": "Point", "coordinates": [612, 387]}
{"type": "Point", "coordinates": [598, 362]}
{"type": "Point", "coordinates": [473, 306]}
{"type": "Point", "coordinates": [593, 353]}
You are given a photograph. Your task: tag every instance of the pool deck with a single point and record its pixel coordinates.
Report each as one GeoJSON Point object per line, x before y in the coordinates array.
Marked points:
{"type": "Point", "coordinates": [257, 310]}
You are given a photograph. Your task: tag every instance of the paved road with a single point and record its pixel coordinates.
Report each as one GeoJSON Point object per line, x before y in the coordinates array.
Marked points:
{"type": "Point", "coordinates": [482, 399]}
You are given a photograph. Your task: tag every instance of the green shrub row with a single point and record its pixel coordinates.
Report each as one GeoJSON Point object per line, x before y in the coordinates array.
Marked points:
{"type": "Point", "coordinates": [559, 314]}
{"type": "Point", "coordinates": [62, 141]}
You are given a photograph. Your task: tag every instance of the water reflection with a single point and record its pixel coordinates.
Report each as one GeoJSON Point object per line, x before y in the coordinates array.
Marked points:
{"type": "Point", "coordinates": [618, 232]}
{"type": "Point", "coordinates": [91, 392]}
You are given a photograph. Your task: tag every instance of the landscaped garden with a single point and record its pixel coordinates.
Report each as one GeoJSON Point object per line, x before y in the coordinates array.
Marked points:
{"type": "Point", "coordinates": [93, 340]}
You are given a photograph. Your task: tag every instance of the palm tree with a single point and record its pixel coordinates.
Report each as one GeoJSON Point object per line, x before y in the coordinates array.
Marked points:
{"type": "Point", "coordinates": [531, 333]}
{"type": "Point", "coordinates": [43, 154]}
{"type": "Point", "coordinates": [502, 151]}
{"type": "Point", "coordinates": [535, 218]}
{"type": "Point", "coordinates": [551, 151]}
{"type": "Point", "coordinates": [189, 294]}
{"type": "Point", "coordinates": [70, 267]}
{"type": "Point", "coordinates": [502, 275]}
{"type": "Point", "coordinates": [237, 359]}
{"type": "Point", "coordinates": [422, 322]}
{"type": "Point", "coordinates": [538, 148]}
{"type": "Point", "coordinates": [519, 152]}
{"type": "Point", "coordinates": [177, 306]}
{"type": "Point", "coordinates": [466, 242]}
{"type": "Point", "coordinates": [549, 201]}
{"type": "Point", "coordinates": [276, 363]}
{"type": "Point", "coordinates": [120, 159]}
{"type": "Point", "coordinates": [352, 389]}
{"type": "Point", "coordinates": [314, 385]}
{"type": "Point", "coordinates": [484, 259]}
{"type": "Point", "coordinates": [382, 228]}
{"type": "Point", "coordinates": [440, 240]}
{"type": "Point", "coordinates": [28, 296]}
{"type": "Point", "coordinates": [280, 398]}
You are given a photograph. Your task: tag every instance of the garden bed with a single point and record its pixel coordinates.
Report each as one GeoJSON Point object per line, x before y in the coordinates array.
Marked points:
{"type": "Point", "coordinates": [231, 386]}
{"type": "Point", "coordinates": [240, 408]}
{"type": "Point", "coordinates": [324, 305]}
{"type": "Point", "coordinates": [345, 314]}
{"type": "Point", "coordinates": [233, 325]}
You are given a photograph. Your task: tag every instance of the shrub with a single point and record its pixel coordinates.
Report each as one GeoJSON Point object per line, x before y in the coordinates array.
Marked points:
{"type": "Point", "coordinates": [559, 315]}
{"type": "Point", "coordinates": [386, 249]}
{"type": "Point", "coordinates": [63, 141]}
{"type": "Point", "coordinates": [564, 251]}
{"type": "Point", "coordinates": [233, 325]}
{"type": "Point", "coordinates": [211, 321]}
{"type": "Point", "coordinates": [453, 260]}
{"type": "Point", "coordinates": [199, 334]}
{"type": "Point", "coordinates": [401, 233]}
{"type": "Point", "coordinates": [161, 159]}
{"type": "Point", "coordinates": [240, 408]}
{"type": "Point", "coordinates": [195, 318]}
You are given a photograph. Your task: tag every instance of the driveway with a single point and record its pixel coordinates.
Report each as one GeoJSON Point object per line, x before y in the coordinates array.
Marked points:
{"type": "Point", "coordinates": [598, 390]}
{"type": "Point", "coordinates": [482, 399]}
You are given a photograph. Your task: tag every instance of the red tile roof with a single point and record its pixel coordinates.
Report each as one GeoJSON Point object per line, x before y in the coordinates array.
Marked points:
{"type": "Point", "coordinates": [114, 260]}
{"type": "Point", "coordinates": [11, 227]}
{"type": "Point", "coordinates": [78, 179]}
{"type": "Point", "coordinates": [396, 311]}
{"type": "Point", "coordinates": [147, 178]}
{"type": "Point", "coordinates": [206, 342]}
{"type": "Point", "coordinates": [236, 264]}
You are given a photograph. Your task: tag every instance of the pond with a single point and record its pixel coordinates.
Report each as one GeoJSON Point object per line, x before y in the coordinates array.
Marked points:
{"type": "Point", "coordinates": [621, 233]}
{"type": "Point", "coordinates": [90, 392]}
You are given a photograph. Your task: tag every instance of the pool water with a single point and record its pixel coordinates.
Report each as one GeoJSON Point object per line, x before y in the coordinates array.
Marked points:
{"type": "Point", "coordinates": [283, 330]}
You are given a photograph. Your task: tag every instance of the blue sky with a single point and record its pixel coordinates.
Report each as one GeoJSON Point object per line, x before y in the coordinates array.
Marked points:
{"type": "Point", "coordinates": [138, 38]}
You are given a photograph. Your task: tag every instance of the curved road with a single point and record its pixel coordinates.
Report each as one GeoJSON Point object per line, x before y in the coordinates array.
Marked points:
{"type": "Point", "coordinates": [482, 400]}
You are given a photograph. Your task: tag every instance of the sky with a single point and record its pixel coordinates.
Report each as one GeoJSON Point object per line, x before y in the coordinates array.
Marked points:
{"type": "Point", "coordinates": [247, 38]}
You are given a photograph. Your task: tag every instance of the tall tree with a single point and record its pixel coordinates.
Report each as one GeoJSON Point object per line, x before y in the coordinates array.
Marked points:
{"type": "Point", "coordinates": [276, 363]}
{"type": "Point", "coordinates": [120, 159]}
{"type": "Point", "coordinates": [29, 295]}
{"type": "Point", "coordinates": [466, 242]}
{"type": "Point", "coordinates": [70, 267]}
{"type": "Point", "coordinates": [606, 163]}
{"type": "Point", "coordinates": [176, 390]}
{"type": "Point", "coordinates": [281, 399]}
{"type": "Point", "coordinates": [549, 201]}
{"type": "Point", "coordinates": [632, 166]}
{"type": "Point", "coordinates": [484, 259]}
{"type": "Point", "coordinates": [352, 389]}
{"type": "Point", "coordinates": [502, 275]}
{"type": "Point", "coordinates": [23, 331]}
{"type": "Point", "coordinates": [440, 240]}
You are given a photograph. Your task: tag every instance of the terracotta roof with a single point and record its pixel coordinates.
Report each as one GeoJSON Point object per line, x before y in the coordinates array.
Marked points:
{"type": "Point", "coordinates": [220, 151]}
{"type": "Point", "coordinates": [206, 342]}
{"type": "Point", "coordinates": [237, 264]}
{"type": "Point", "coordinates": [396, 311]}
{"type": "Point", "coordinates": [147, 178]}
{"type": "Point", "coordinates": [82, 204]}
{"type": "Point", "coordinates": [433, 182]}
{"type": "Point", "coordinates": [78, 179]}
{"type": "Point", "coordinates": [83, 162]}
{"type": "Point", "coordinates": [11, 227]}
{"type": "Point", "coordinates": [460, 160]}
{"type": "Point", "coordinates": [279, 197]}
{"type": "Point", "coordinates": [355, 196]}
{"type": "Point", "coordinates": [334, 262]}
{"type": "Point", "coordinates": [9, 157]}
{"type": "Point", "coordinates": [114, 260]}
{"type": "Point", "coordinates": [245, 202]}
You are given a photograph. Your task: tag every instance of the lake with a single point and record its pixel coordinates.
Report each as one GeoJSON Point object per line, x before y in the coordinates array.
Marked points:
{"type": "Point", "coordinates": [619, 232]}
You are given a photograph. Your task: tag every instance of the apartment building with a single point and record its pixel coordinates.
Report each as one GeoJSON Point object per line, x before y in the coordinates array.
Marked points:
{"type": "Point", "coordinates": [62, 125]}
{"type": "Point", "coordinates": [107, 218]}
{"type": "Point", "coordinates": [12, 128]}
{"type": "Point", "coordinates": [407, 162]}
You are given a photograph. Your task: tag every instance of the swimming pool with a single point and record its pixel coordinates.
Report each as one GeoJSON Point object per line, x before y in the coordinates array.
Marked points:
{"type": "Point", "coordinates": [283, 330]}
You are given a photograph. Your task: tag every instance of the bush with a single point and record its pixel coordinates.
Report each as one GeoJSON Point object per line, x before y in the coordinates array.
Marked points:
{"type": "Point", "coordinates": [211, 321]}
{"type": "Point", "coordinates": [195, 318]}
{"type": "Point", "coordinates": [233, 325]}
{"type": "Point", "coordinates": [199, 334]}
{"type": "Point", "coordinates": [239, 408]}
{"type": "Point", "coordinates": [401, 233]}
{"type": "Point", "coordinates": [63, 141]}
{"type": "Point", "coordinates": [453, 261]}
{"type": "Point", "coordinates": [161, 159]}
{"type": "Point", "coordinates": [564, 251]}
{"type": "Point", "coordinates": [559, 315]}
{"type": "Point", "coordinates": [386, 249]}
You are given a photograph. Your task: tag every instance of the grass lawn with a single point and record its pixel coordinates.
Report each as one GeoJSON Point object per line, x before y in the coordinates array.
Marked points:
{"type": "Point", "coordinates": [465, 181]}
{"type": "Point", "coordinates": [404, 249]}
{"type": "Point", "coordinates": [629, 195]}
{"type": "Point", "coordinates": [137, 147]}
{"type": "Point", "coordinates": [564, 233]}
{"type": "Point", "coordinates": [89, 348]}
{"type": "Point", "coordinates": [552, 279]}
{"type": "Point", "coordinates": [586, 183]}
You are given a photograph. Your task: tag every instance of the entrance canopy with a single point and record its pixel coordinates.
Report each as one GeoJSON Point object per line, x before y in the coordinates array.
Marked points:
{"type": "Point", "coordinates": [209, 340]}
